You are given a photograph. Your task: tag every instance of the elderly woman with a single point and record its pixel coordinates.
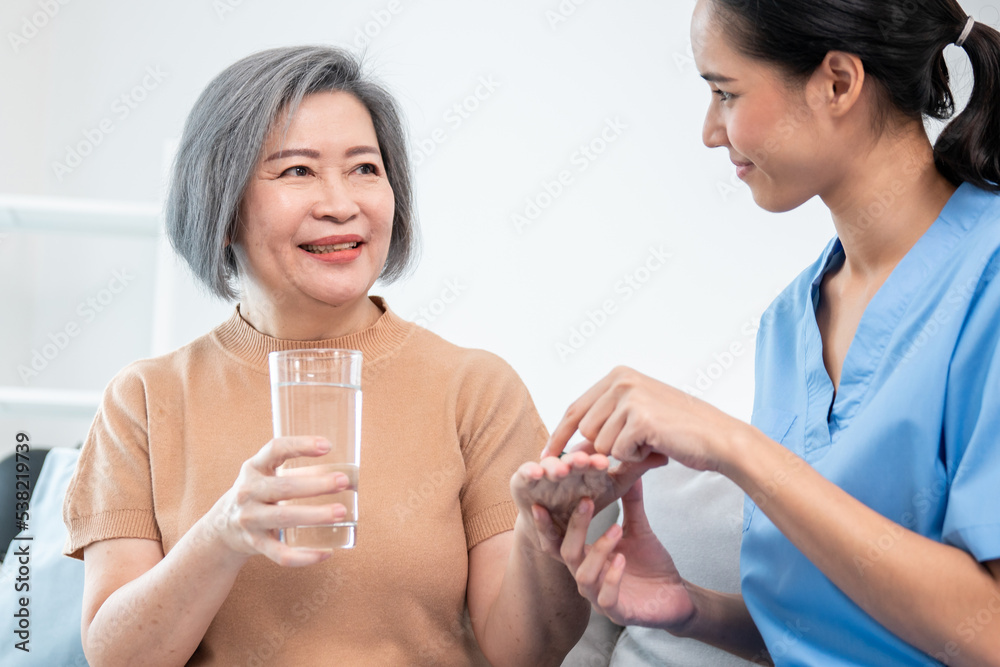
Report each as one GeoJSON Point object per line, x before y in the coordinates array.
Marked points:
{"type": "Point", "coordinates": [291, 192]}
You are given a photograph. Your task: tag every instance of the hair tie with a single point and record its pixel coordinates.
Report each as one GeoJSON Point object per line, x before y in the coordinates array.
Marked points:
{"type": "Point", "coordinates": [965, 33]}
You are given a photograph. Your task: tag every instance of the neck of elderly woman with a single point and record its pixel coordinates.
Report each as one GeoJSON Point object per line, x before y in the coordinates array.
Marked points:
{"type": "Point", "coordinates": [305, 319]}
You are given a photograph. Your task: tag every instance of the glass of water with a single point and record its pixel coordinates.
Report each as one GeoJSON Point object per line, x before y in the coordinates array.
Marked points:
{"type": "Point", "coordinates": [318, 392]}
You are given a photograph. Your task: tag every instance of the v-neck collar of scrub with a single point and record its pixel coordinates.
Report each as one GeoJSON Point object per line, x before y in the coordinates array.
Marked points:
{"type": "Point", "coordinates": [827, 415]}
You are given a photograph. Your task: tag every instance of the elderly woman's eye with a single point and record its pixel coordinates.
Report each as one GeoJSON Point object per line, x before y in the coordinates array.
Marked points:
{"type": "Point", "coordinates": [296, 171]}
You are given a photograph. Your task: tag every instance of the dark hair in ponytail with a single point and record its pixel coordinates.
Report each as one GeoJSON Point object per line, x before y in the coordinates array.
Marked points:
{"type": "Point", "coordinates": [968, 148]}
{"type": "Point", "coordinates": [901, 44]}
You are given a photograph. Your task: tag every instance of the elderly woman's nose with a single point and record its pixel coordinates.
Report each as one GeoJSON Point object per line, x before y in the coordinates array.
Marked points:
{"type": "Point", "coordinates": [335, 200]}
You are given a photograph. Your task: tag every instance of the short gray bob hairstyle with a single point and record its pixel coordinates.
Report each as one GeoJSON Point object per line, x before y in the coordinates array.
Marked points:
{"type": "Point", "coordinates": [225, 133]}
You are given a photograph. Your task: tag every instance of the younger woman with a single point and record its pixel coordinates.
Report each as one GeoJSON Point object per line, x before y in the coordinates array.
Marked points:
{"type": "Point", "coordinates": [872, 468]}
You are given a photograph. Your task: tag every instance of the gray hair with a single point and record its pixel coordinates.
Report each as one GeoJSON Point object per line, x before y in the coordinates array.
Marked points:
{"type": "Point", "coordinates": [225, 133]}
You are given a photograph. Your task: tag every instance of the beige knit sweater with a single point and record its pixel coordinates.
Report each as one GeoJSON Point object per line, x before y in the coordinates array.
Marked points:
{"type": "Point", "coordinates": [443, 430]}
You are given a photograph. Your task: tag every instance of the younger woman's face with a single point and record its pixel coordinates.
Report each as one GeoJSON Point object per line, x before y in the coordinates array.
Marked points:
{"type": "Point", "coordinates": [767, 126]}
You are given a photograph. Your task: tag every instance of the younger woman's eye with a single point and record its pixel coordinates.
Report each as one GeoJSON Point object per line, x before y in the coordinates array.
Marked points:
{"type": "Point", "coordinates": [723, 95]}
{"type": "Point", "coordinates": [368, 170]}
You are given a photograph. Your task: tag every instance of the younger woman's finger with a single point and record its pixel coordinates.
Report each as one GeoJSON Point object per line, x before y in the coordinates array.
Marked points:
{"type": "Point", "coordinates": [588, 574]}
{"type": "Point", "coordinates": [607, 598]}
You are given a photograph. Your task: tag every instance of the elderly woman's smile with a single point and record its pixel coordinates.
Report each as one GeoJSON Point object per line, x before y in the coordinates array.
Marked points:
{"type": "Point", "coordinates": [335, 248]}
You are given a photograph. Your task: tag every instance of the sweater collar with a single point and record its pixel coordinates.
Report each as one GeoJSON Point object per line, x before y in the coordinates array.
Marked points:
{"type": "Point", "coordinates": [378, 341]}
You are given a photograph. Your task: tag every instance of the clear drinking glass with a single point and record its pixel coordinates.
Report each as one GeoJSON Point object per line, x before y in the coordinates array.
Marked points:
{"type": "Point", "coordinates": [318, 392]}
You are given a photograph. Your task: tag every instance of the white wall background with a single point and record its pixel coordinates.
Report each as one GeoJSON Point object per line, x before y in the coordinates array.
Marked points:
{"type": "Point", "coordinates": [560, 72]}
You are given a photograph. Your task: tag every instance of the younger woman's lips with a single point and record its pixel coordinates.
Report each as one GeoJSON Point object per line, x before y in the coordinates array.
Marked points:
{"type": "Point", "coordinates": [742, 169]}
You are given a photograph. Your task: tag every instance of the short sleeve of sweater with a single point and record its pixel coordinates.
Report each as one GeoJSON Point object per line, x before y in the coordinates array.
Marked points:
{"type": "Point", "coordinates": [110, 494]}
{"type": "Point", "coordinates": [500, 429]}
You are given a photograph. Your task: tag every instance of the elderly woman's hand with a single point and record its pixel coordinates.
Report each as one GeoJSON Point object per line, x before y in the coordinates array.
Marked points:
{"type": "Point", "coordinates": [247, 518]}
{"type": "Point", "coordinates": [557, 484]}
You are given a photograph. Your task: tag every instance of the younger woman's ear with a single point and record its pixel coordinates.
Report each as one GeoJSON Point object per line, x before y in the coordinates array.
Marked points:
{"type": "Point", "coordinates": [837, 83]}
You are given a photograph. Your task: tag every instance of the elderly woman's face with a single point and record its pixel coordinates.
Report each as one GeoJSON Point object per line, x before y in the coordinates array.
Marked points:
{"type": "Point", "coordinates": [317, 215]}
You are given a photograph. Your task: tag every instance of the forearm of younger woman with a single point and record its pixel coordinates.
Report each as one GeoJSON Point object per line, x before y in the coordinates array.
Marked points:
{"type": "Point", "coordinates": [723, 621]}
{"type": "Point", "coordinates": [923, 591]}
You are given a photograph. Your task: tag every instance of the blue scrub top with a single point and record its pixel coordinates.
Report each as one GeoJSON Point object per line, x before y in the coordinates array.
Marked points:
{"type": "Point", "coordinates": [914, 432]}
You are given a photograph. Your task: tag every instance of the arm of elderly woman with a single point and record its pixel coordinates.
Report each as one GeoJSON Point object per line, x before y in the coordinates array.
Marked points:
{"type": "Point", "coordinates": [141, 607]}
{"type": "Point", "coordinates": [516, 589]}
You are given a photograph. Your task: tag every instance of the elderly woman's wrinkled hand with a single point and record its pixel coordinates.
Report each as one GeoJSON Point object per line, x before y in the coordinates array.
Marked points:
{"type": "Point", "coordinates": [550, 490]}
{"type": "Point", "coordinates": [558, 484]}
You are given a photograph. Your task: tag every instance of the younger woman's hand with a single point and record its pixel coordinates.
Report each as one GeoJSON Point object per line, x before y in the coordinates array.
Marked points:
{"type": "Point", "coordinates": [630, 416]}
{"type": "Point", "coordinates": [627, 574]}
{"type": "Point", "coordinates": [247, 518]}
